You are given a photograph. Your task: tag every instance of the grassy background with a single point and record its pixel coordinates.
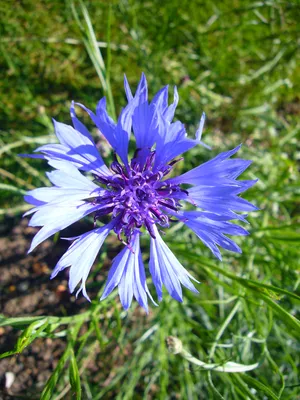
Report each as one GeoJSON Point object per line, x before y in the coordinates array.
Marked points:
{"type": "Point", "coordinates": [237, 61]}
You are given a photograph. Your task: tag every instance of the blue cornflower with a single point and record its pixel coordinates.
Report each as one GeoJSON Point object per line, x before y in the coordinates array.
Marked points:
{"type": "Point", "coordinates": [137, 195]}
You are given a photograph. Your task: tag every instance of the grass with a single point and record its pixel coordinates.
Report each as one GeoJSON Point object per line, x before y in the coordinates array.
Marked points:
{"type": "Point", "coordinates": [238, 62]}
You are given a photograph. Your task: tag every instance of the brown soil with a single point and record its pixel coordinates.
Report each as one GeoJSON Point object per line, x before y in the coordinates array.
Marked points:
{"type": "Point", "coordinates": [27, 290]}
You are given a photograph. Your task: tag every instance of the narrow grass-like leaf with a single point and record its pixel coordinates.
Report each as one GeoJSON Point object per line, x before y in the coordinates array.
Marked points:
{"type": "Point", "coordinates": [28, 140]}
{"type": "Point", "coordinates": [18, 321]}
{"type": "Point", "coordinates": [260, 387]}
{"type": "Point", "coordinates": [74, 377]}
{"type": "Point", "coordinates": [285, 316]}
{"type": "Point", "coordinates": [93, 50]}
{"type": "Point", "coordinates": [50, 385]}
{"type": "Point", "coordinates": [248, 283]}
{"type": "Point", "coordinates": [11, 188]}
{"type": "Point", "coordinates": [32, 332]}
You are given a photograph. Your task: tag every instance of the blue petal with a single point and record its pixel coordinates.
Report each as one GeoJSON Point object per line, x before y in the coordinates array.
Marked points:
{"type": "Point", "coordinates": [118, 134]}
{"type": "Point", "coordinates": [171, 142]}
{"type": "Point", "coordinates": [160, 100]}
{"type": "Point", "coordinates": [73, 138]}
{"type": "Point", "coordinates": [116, 272]}
{"type": "Point", "coordinates": [127, 89]}
{"type": "Point", "coordinates": [201, 126]}
{"type": "Point", "coordinates": [127, 272]}
{"type": "Point", "coordinates": [212, 216]}
{"type": "Point", "coordinates": [58, 195]}
{"type": "Point", "coordinates": [144, 122]}
{"type": "Point", "coordinates": [214, 170]}
{"type": "Point", "coordinates": [166, 269]}
{"type": "Point", "coordinates": [220, 198]}
{"type": "Point", "coordinates": [75, 146]}
{"type": "Point", "coordinates": [170, 111]}
{"type": "Point", "coordinates": [220, 205]}
{"type": "Point", "coordinates": [78, 125]}
{"type": "Point", "coordinates": [142, 89]}
{"type": "Point", "coordinates": [67, 176]}
{"type": "Point", "coordinates": [80, 256]}
{"type": "Point", "coordinates": [211, 230]}
{"type": "Point", "coordinates": [199, 132]}
{"type": "Point", "coordinates": [140, 289]}
{"type": "Point", "coordinates": [60, 206]}
{"type": "Point", "coordinates": [54, 217]}
{"type": "Point", "coordinates": [70, 185]}
{"type": "Point", "coordinates": [152, 124]}
{"type": "Point", "coordinates": [37, 156]}
{"type": "Point", "coordinates": [144, 117]}
{"type": "Point", "coordinates": [103, 121]}
{"type": "Point", "coordinates": [31, 199]}
{"type": "Point", "coordinates": [123, 130]}
{"type": "Point", "coordinates": [227, 188]}
{"type": "Point", "coordinates": [79, 157]}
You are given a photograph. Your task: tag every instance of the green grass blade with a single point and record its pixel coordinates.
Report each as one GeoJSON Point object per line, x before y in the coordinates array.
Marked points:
{"type": "Point", "coordinates": [74, 377]}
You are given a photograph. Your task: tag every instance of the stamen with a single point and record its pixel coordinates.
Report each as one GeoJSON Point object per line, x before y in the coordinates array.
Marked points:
{"type": "Point", "coordinates": [150, 229]}
{"type": "Point", "coordinates": [128, 245]}
{"type": "Point", "coordinates": [167, 205]}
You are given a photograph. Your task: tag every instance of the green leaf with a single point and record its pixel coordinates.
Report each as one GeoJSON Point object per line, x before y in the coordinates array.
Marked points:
{"type": "Point", "coordinates": [248, 283]}
{"type": "Point", "coordinates": [11, 188]}
{"type": "Point", "coordinates": [286, 317]}
{"type": "Point", "coordinates": [74, 376]}
{"type": "Point", "coordinates": [260, 386]}
{"type": "Point", "coordinates": [27, 140]}
{"type": "Point", "coordinates": [18, 321]}
{"type": "Point", "coordinates": [50, 385]}
{"type": "Point", "coordinates": [285, 236]}
{"type": "Point", "coordinates": [33, 331]}
{"type": "Point", "coordinates": [92, 47]}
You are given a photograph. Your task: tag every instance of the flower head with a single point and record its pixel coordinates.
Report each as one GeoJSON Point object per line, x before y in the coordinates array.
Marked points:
{"type": "Point", "coordinates": [137, 195]}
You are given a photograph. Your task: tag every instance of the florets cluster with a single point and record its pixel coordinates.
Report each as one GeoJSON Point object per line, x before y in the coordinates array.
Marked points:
{"type": "Point", "coordinates": [137, 196]}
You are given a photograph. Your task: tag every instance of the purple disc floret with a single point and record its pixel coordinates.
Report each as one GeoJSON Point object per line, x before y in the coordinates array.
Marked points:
{"type": "Point", "coordinates": [137, 196]}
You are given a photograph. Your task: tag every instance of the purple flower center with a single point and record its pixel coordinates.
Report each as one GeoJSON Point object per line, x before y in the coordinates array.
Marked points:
{"type": "Point", "coordinates": [137, 196]}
